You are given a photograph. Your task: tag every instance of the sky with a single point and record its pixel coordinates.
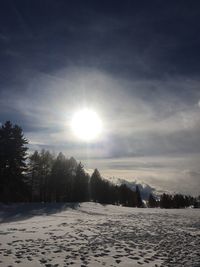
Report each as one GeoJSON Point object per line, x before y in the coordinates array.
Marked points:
{"type": "Point", "coordinates": [135, 63]}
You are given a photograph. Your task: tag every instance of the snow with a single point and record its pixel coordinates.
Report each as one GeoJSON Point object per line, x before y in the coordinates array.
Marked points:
{"type": "Point", "coordinates": [90, 234]}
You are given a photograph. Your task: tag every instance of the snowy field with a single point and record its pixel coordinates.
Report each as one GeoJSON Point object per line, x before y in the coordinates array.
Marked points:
{"type": "Point", "coordinates": [91, 234]}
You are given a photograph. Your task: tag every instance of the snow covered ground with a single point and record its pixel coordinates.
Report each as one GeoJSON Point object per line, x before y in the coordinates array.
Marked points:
{"type": "Point", "coordinates": [90, 234]}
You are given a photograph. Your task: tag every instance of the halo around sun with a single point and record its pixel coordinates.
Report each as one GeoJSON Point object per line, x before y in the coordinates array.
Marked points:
{"type": "Point", "coordinates": [86, 125]}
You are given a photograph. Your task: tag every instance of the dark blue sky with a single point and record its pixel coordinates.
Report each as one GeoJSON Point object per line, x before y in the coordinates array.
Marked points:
{"type": "Point", "coordinates": [119, 37]}
{"type": "Point", "coordinates": [135, 62]}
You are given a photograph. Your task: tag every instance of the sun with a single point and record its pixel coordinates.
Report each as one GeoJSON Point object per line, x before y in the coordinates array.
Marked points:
{"type": "Point", "coordinates": [86, 125]}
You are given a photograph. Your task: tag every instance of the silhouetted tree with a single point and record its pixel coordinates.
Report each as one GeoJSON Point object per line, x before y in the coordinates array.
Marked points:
{"type": "Point", "coordinates": [40, 167]}
{"type": "Point", "coordinates": [126, 196]}
{"type": "Point", "coordinates": [72, 169]}
{"type": "Point", "coordinates": [95, 186]}
{"type": "Point", "coordinates": [123, 194]}
{"type": "Point", "coordinates": [106, 192]}
{"type": "Point", "coordinates": [166, 201]}
{"type": "Point", "coordinates": [12, 163]}
{"type": "Point", "coordinates": [113, 194]}
{"type": "Point", "coordinates": [46, 167]}
{"type": "Point", "coordinates": [196, 202]}
{"type": "Point", "coordinates": [80, 185]}
{"type": "Point", "coordinates": [152, 202]}
{"type": "Point", "coordinates": [178, 201]}
{"type": "Point", "coordinates": [34, 176]}
{"type": "Point", "coordinates": [138, 197]}
{"type": "Point", "coordinates": [59, 179]}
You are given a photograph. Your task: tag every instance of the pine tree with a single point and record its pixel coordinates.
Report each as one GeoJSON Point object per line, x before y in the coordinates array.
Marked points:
{"type": "Point", "coordinates": [123, 197]}
{"type": "Point", "coordinates": [138, 197]}
{"type": "Point", "coordinates": [152, 203]}
{"type": "Point", "coordinates": [45, 167]}
{"type": "Point", "coordinates": [40, 167]}
{"type": "Point", "coordinates": [12, 163]}
{"type": "Point", "coordinates": [80, 185]}
{"type": "Point", "coordinates": [166, 201]}
{"type": "Point", "coordinates": [34, 175]}
{"type": "Point", "coordinates": [95, 186]}
{"type": "Point", "coordinates": [59, 181]}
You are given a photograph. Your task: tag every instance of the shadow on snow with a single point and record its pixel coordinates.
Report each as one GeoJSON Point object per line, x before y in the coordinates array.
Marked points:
{"type": "Point", "coordinates": [17, 212]}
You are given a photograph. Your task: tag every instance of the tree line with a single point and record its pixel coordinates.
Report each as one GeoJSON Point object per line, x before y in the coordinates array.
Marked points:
{"type": "Point", "coordinates": [175, 201]}
{"type": "Point", "coordinates": [43, 177]}
{"type": "Point", "coordinates": [58, 179]}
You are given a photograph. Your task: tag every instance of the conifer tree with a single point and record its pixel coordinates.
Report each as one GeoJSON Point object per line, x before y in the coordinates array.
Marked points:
{"type": "Point", "coordinates": [138, 197]}
{"type": "Point", "coordinates": [12, 163]}
{"type": "Point", "coordinates": [80, 185]}
{"type": "Point", "coordinates": [95, 186]}
{"type": "Point", "coordinates": [152, 203]}
{"type": "Point", "coordinates": [166, 201]}
{"type": "Point", "coordinates": [34, 175]}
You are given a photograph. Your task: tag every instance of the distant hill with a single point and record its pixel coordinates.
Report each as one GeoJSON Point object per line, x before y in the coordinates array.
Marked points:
{"type": "Point", "coordinates": [145, 189]}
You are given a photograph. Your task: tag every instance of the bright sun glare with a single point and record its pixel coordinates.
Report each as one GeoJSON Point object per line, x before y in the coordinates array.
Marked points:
{"type": "Point", "coordinates": [86, 125]}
